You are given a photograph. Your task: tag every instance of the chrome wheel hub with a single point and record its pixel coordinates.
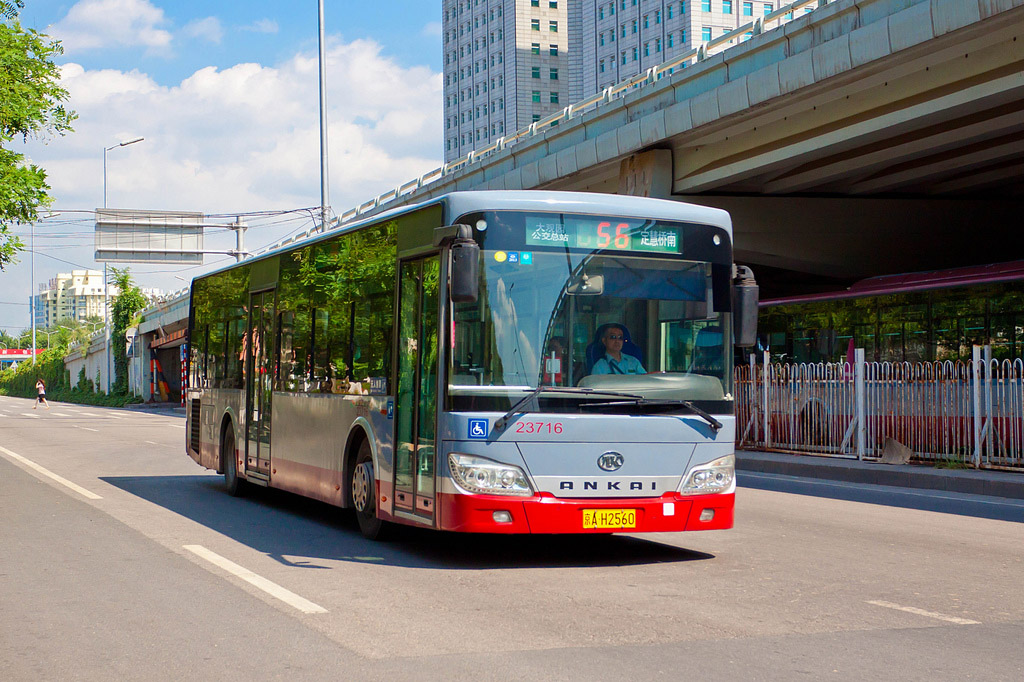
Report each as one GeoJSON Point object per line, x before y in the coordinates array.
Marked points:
{"type": "Point", "coordinates": [362, 486]}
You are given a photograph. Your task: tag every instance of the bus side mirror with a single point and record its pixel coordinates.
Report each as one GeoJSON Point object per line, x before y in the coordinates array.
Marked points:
{"type": "Point", "coordinates": [745, 296]}
{"type": "Point", "coordinates": [465, 271]}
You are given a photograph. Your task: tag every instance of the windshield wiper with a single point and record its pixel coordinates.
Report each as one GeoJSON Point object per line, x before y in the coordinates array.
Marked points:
{"type": "Point", "coordinates": [503, 420]}
{"type": "Point", "coordinates": [714, 423]}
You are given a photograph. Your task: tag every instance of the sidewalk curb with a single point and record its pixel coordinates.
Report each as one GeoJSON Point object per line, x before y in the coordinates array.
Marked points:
{"type": "Point", "coordinates": [1006, 484]}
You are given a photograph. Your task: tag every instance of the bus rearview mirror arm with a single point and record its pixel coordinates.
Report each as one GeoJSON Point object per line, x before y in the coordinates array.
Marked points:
{"type": "Point", "coordinates": [745, 296]}
{"type": "Point", "coordinates": [464, 263]}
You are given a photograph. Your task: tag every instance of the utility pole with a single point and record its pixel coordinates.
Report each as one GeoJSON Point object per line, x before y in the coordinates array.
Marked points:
{"type": "Point", "coordinates": [324, 194]}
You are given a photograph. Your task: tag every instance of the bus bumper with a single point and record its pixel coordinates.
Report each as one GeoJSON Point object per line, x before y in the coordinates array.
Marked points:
{"type": "Point", "coordinates": [545, 513]}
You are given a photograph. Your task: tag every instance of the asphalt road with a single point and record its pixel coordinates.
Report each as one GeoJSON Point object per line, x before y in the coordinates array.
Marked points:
{"type": "Point", "coordinates": [122, 559]}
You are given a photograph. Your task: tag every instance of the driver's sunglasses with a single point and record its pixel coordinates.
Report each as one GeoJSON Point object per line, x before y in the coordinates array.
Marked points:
{"type": "Point", "coordinates": [614, 337]}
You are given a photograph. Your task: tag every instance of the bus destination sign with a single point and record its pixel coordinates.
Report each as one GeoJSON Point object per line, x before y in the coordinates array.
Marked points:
{"type": "Point", "coordinates": [615, 234]}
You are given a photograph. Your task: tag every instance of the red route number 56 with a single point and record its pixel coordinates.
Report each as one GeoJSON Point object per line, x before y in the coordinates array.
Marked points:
{"type": "Point", "coordinates": [604, 236]}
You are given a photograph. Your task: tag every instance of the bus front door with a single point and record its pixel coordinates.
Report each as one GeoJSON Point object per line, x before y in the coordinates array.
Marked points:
{"type": "Point", "coordinates": [416, 408]}
{"type": "Point", "coordinates": [259, 389]}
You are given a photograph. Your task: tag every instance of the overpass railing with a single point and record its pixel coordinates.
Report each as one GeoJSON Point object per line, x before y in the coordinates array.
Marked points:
{"type": "Point", "coordinates": [650, 76]}
{"type": "Point", "coordinates": [970, 413]}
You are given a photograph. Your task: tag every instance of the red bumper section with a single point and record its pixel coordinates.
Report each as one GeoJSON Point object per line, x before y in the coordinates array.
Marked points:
{"type": "Point", "coordinates": [545, 513]}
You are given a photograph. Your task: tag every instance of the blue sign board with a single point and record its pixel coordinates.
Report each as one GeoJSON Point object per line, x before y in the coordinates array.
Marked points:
{"type": "Point", "coordinates": [478, 429]}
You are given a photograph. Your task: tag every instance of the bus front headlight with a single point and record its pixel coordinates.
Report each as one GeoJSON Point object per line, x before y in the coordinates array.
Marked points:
{"type": "Point", "coordinates": [714, 477]}
{"type": "Point", "coordinates": [480, 475]}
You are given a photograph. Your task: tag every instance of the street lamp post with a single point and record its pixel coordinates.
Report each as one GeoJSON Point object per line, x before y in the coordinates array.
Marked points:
{"type": "Point", "coordinates": [106, 295]}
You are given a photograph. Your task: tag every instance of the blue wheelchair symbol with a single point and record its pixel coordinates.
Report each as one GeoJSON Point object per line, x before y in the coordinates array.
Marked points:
{"type": "Point", "coordinates": [478, 429]}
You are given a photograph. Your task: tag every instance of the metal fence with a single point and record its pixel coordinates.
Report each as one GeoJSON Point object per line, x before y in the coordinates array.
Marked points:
{"type": "Point", "coordinates": [970, 412]}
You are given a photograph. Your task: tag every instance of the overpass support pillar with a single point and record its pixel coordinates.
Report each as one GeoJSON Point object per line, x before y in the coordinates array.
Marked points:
{"type": "Point", "coordinates": [647, 174]}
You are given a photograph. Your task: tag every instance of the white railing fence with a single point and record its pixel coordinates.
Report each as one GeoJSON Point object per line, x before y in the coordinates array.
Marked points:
{"type": "Point", "coordinates": [969, 412]}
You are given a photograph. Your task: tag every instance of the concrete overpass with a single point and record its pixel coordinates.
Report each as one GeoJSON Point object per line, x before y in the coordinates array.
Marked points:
{"type": "Point", "coordinates": [866, 137]}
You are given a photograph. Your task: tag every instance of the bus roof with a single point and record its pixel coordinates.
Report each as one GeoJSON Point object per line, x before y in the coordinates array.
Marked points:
{"type": "Point", "coordinates": [882, 285]}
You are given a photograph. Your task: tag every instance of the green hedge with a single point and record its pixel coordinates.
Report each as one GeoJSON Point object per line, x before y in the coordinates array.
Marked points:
{"type": "Point", "coordinates": [21, 382]}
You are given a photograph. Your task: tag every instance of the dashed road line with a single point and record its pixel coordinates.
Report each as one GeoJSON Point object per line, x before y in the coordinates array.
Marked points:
{"type": "Point", "coordinates": [46, 472]}
{"type": "Point", "coordinates": [177, 426]}
{"type": "Point", "coordinates": [85, 428]}
{"type": "Point", "coordinates": [257, 581]}
{"type": "Point", "coordinates": [927, 614]}
{"type": "Point", "coordinates": [29, 414]}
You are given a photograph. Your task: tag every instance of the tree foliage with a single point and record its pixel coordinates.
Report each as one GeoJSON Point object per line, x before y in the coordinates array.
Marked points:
{"type": "Point", "coordinates": [31, 107]}
{"type": "Point", "coordinates": [123, 310]}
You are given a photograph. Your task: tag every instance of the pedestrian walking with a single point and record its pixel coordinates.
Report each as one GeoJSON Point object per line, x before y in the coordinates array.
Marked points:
{"type": "Point", "coordinates": [41, 394]}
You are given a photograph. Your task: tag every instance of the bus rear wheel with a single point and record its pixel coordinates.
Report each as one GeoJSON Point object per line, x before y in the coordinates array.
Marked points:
{"type": "Point", "coordinates": [229, 464]}
{"type": "Point", "coordinates": [364, 494]}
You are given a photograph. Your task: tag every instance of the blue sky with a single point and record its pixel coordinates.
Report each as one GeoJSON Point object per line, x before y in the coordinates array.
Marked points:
{"type": "Point", "coordinates": [225, 94]}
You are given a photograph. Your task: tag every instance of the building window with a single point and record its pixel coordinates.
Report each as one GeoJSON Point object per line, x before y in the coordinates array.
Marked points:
{"type": "Point", "coordinates": [535, 72]}
{"type": "Point", "coordinates": [535, 48]}
{"type": "Point", "coordinates": [553, 50]}
{"type": "Point", "coordinates": [657, 16]}
{"type": "Point", "coordinates": [670, 42]}
{"type": "Point", "coordinates": [705, 5]}
{"type": "Point", "coordinates": [554, 74]}
{"type": "Point", "coordinates": [535, 118]}
{"type": "Point", "coordinates": [748, 9]}
{"type": "Point", "coordinates": [646, 21]}
{"type": "Point", "coordinates": [553, 26]}
{"type": "Point", "coordinates": [623, 58]}
{"type": "Point", "coordinates": [647, 49]}
{"type": "Point", "coordinates": [602, 66]}
{"type": "Point", "coordinates": [534, 3]}
{"type": "Point", "coordinates": [767, 9]}
{"type": "Point", "coordinates": [536, 96]}
{"type": "Point", "coordinates": [554, 98]}
{"type": "Point", "coordinates": [600, 12]}
{"type": "Point", "coordinates": [670, 11]}
{"type": "Point", "coordinates": [636, 54]}
{"type": "Point", "coordinates": [553, 4]}
{"type": "Point", "coordinates": [634, 26]}
{"type": "Point", "coordinates": [623, 30]}
{"type": "Point", "coordinates": [705, 34]}
{"type": "Point", "coordinates": [726, 6]}
{"type": "Point", "coordinates": [657, 44]}
{"type": "Point", "coordinates": [601, 38]}
{"type": "Point", "coordinates": [535, 23]}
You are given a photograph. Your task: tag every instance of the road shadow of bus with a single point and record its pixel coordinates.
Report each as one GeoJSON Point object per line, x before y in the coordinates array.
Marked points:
{"type": "Point", "coordinates": [298, 531]}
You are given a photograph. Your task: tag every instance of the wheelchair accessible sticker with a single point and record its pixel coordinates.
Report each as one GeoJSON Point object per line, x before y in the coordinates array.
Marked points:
{"type": "Point", "coordinates": [478, 429]}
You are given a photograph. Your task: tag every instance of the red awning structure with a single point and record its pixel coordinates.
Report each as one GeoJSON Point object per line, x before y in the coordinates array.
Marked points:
{"type": "Point", "coordinates": [173, 339]}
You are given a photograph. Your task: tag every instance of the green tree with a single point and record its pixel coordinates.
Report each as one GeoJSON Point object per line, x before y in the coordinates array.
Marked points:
{"type": "Point", "coordinates": [31, 106]}
{"type": "Point", "coordinates": [128, 302]}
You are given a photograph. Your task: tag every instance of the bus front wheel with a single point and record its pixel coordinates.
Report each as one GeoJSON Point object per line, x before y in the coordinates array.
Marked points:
{"type": "Point", "coordinates": [229, 464]}
{"type": "Point", "coordinates": [364, 494]}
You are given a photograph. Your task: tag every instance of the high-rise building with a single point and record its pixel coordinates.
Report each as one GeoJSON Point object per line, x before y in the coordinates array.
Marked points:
{"type": "Point", "coordinates": [76, 296]}
{"type": "Point", "coordinates": [508, 63]}
{"type": "Point", "coordinates": [505, 66]}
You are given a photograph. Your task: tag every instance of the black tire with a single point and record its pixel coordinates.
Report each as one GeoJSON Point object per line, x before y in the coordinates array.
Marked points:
{"type": "Point", "coordinates": [363, 487]}
{"type": "Point", "coordinates": [229, 464]}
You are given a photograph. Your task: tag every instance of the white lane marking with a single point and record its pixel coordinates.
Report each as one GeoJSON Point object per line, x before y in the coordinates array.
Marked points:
{"type": "Point", "coordinates": [3, 415]}
{"type": "Point", "coordinates": [257, 581]}
{"type": "Point", "coordinates": [928, 614]}
{"type": "Point", "coordinates": [968, 497]}
{"type": "Point", "coordinates": [61, 414]}
{"type": "Point", "coordinates": [29, 414]}
{"type": "Point", "coordinates": [85, 428]}
{"type": "Point", "coordinates": [150, 442]}
{"type": "Point", "coordinates": [46, 472]}
{"type": "Point", "coordinates": [87, 414]}
{"type": "Point", "coordinates": [112, 416]}
{"type": "Point", "coordinates": [177, 426]}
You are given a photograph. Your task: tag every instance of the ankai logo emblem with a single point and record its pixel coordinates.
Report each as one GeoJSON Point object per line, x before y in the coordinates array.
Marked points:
{"type": "Point", "coordinates": [610, 461]}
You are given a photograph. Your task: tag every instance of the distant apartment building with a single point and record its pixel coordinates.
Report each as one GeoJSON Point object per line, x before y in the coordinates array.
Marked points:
{"type": "Point", "coordinates": [77, 295]}
{"type": "Point", "coordinates": [505, 66]}
{"type": "Point", "coordinates": [508, 63]}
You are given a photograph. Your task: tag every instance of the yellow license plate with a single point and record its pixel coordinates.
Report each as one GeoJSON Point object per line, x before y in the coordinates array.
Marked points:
{"type": "Point", "coordinates": [609, 518]}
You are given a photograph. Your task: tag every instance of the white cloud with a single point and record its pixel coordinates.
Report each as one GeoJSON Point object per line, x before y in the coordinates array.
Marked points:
{"type": "Point", "coordinates": [262, 26]}
{"type": "Point", "coordinates": [208, 29]}
{"type": "Point", "coordinates": [247, 137]}
{"type": "Point", "coordinates": [92, 24]}
{"type": "Point", "coordinates": [432, 29]}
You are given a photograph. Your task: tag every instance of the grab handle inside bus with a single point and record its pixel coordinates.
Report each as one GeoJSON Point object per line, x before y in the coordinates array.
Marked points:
{"type": "Point", "coordinates": [745, 295]}
{"type": "Point", "coordinates": [464, 271]}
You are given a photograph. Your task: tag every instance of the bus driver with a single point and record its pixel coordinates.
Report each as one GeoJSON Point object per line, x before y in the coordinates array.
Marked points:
{"type": "Point", "coordinates": [614, 360]}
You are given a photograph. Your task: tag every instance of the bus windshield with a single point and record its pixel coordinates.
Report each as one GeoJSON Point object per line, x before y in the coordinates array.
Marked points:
{"type": "Point", "coordinates": [628, 322]}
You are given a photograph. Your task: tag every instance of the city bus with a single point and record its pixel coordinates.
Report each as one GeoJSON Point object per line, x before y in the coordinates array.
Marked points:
{"type": "Point", "coordinates": [440, 365]}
